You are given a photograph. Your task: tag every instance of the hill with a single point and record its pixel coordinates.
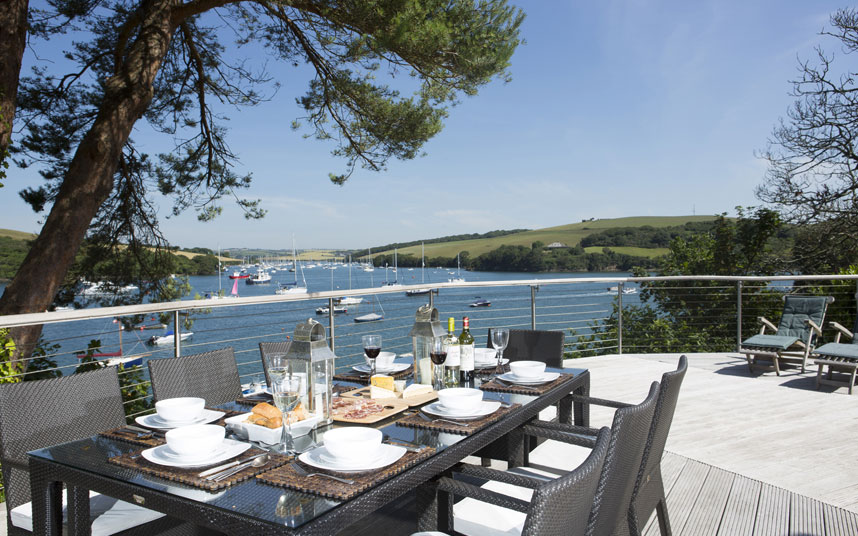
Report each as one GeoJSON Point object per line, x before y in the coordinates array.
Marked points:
{"type": "Point", "coordinates": [570, 235]}
{"type": "Point", "coordinates": [17, 235]}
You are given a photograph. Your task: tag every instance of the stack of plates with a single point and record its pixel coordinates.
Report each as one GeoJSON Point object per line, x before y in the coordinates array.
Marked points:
{"type": "Point", "coordinates": [154, 421]}
{"type": "Point", "coordinates": [545, 378]}
{"type": "Point", "coordinates": [396, 367]}
{"type": "Point", "coordinates": [486, 407]}
{"type": "Point", "coordinates": [163, 455]}
{"type": "Point", "coordinates": [322, 459]}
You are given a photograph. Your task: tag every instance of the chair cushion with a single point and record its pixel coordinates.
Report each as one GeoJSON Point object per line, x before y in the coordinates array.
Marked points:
{"type": "Point", "coordinates": [838, 349]}
{"type": "Point", "coordinates": [799, 309]}
{"type": "Point", "coordinates": [476, 518]}
{"type": "Point", "coordinates": [779, 342]}
{"type": "Point", "coordinates": [109, 515]}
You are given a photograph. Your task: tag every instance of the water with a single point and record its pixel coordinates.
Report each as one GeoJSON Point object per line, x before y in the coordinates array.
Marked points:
{"type": "Point", "coordinates": [558, 307]}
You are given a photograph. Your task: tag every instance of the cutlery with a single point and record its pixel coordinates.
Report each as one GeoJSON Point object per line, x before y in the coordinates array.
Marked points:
{"type": "Point", "coordinates": [257, 462]}
{"type": "Point", "coordinates": [406, 446]}
{"type": "Point", "coordinates": [506, 383]}
{"type": "Point", "coordinates": [220, 468]}
{"type": "Point", "coordinates": [427, 418]}
{"type": "Point", "coordinates": [303, 472]}
{"type": "Point", "coordinates": [133, 428]}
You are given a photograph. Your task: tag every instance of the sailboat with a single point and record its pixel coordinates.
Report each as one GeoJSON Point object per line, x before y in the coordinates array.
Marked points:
{"type": "Point", "coordinates": [373, 316]}
{"type": "Point", "coordinates": [116, 358]}
{"type": "Point", "coordinates": [395, 282]}
{"type": "Point", "coordinates": [420, 291]}
{"type": "Point", "coordinates": [293, 288]}
{"type": "Point", "coordinates": [220, 294]}
{"type": "Point", "coordinates": [458, 278]}
{"type": "Point", "coordinates": [368, 267]}
{"type": "Point", "coordinates": [350, 300]}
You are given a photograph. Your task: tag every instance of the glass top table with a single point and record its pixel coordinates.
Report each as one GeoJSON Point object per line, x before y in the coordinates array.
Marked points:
{"type": "Point", "coordinates": [251, 505]}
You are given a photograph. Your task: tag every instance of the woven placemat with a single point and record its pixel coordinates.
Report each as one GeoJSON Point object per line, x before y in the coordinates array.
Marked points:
{"type": "Point", "coordinates": [286, 477]}
{"type": "Point", "coordinates": [133, 460]}
{"type": "Point", "coordinates": [533, 390]}
{"type": "Point", "coordinates": [130, 436]}
{"type": "Point", "coordinates": [466, 428]}
{"type": "Point", "coordinates": [255, 399]}
{"type": "Point", "coordinates": [361, 377]}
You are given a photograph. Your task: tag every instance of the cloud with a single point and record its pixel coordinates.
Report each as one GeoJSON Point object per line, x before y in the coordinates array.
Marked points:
{"type": "Point", "coordinates": [296, 204]}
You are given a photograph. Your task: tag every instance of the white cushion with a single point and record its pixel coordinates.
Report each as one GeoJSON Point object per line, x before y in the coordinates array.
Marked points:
{"type": "Point", "coordinates": [108, 515]}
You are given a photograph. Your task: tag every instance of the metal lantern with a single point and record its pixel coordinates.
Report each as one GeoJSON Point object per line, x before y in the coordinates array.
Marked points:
{"type": "Point", "coordinates": [427, 326]}
{"type": "Point", "coordinates": [309, 354]}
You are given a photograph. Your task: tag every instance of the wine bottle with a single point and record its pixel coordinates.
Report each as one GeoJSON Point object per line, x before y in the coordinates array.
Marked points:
{"type": "Point", "coordinates": [466, 354]}
{"type": "Point", "coordinates": [451, 364]}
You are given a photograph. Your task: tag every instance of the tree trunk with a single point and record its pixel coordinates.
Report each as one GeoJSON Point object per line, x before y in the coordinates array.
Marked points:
{"type": "Point", "coordinates": [13, 39]}
{"type": "Point", "coordinates": [90, 176]}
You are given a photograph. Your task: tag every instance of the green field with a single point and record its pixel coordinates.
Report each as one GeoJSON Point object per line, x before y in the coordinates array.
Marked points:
{"type": "Point", "coordinates": [17, 235]}
{"type": "Point", "coordinates": [650, 253]}
{"type": "Point", "coordinates": [567, 234]}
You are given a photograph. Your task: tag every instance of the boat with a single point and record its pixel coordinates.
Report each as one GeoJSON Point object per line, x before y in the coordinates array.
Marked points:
{"type": "Point", "coordinates": [373, 316]}
{"type": "Point", "coordinates": [349, 300]}
{"type": "Point", "coordinates": [104, 289]}
{"type": "Point", "coordinates": [293, 288]}
{"type": "Point", "coordinates": [220, 295]}
{"type": "Point", "coordinates": [113, 359]}
{"type": "Point", "coordinates": [613, 289]}
{"type": "Point", "coordinates": [458, 278]}
{"type": "Point", "coordinates": [395, 283]}
{"type": "Point", "coordinates": [239, 275]}
{"type": "Point", "coordinates": [261, 278]}
{"type": "Point", "coordinates": [338, 309]}
{"type": "Point", "coordinates": [481, 303]}
{"type": "Point", "coordinates": [420, 291]}
{"type": "Point", "coordinates": [630, 290]}
{"type": "Point", "coordinates": [169, 338]}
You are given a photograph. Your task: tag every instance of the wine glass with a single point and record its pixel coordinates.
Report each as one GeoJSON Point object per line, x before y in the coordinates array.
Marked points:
{"type": "Point", "coordinates": [438, 354]}
{"type": "Point", "coordinates": [371, 347]}
{"type": "Point", "coordinates": [287, 394]}
{"type": "Point", "coordinates": [500, 338]}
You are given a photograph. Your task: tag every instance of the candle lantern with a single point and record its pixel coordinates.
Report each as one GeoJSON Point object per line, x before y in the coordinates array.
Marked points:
{"type": "Point", "coordinates": [310, 356]}
{"type": "Point", "coordinates": [427, 326]}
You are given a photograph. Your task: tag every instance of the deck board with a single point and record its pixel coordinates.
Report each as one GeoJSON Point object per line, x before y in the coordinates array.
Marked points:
{"type": "Point", "coordinates": [741, 508]}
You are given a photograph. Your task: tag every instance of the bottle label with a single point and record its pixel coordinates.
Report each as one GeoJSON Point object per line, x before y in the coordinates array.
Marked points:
{"type": "Point", "coordinates": [452, 356]}
{"type": "Point", "coordinates": [466, 357]}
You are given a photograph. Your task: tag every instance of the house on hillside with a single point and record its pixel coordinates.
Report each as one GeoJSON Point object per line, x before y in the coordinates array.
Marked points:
{"type": "Point", "coordinates": [556, 245]}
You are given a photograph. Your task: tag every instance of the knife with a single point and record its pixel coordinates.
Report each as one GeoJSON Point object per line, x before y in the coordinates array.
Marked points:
{"type": "Point", "coordinates": [220, 468]}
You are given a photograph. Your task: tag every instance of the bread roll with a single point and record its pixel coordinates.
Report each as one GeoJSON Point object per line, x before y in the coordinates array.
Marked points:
{"type": "Point", "coordinates": [264, 409]}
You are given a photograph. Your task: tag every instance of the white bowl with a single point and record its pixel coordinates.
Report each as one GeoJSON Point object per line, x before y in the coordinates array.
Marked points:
{"type": "Point", "coordinates": [197, 439]}
{"type": "Point", "coordinates": [270, 436]}
{"type": "Point", "coordinates": [527, 369]}
{"type": "Point", "coordinates": [180, 409]}
{"type": "Point", "coordinates": [383, 362]}
{"type": "Point", "coordinates": [484, 355]}
{"type": "Point", "coordinates": [460, 399]}
{"type": "Point", "coordinates": [353, 444]}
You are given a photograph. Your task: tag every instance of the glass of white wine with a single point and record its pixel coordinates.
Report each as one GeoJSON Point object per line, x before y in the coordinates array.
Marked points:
{"type": "Point", "coordinates": [500, 338]}
{"type": "Point", "coordinates": [286, 388]}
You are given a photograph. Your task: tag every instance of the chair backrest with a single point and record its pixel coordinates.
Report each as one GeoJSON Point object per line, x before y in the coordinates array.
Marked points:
{"type": "Point", "coordinates": [562, 506]}
{"type": "Point", "coordinates": [268, 348]}
{"type": "Point", "coordinates": [41, 413]}
{"type": "Point", "coordinates": [210, 375]}
{"type": "Point", "coordinates": [799, 309]}
{"type": "Point", "coordinates": [533, 345]}
{"type": "Point", "coordinates": [629, 433]}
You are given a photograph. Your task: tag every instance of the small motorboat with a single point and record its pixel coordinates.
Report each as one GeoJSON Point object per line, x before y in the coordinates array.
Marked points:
{"type": "Point", "coordinates": [349, 300]}
{"type": "Point", "coordinates": [418, 292]}
{"type": "Point", "coordinates": [239, 275]}
{"type": "Point", "coordinates": [169, 338]}
{"type": "Point", "coordinates": [481, 303]}
{"type": "Point", "coordinates": [630, 290]}
{"type": "Point", "coordinates": [338, 309]}
{"type": "Point", "coordinates": [369, 317]}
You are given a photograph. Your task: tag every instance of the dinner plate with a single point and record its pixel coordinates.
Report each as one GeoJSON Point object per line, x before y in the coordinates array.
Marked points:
{"type": "Point", "coordinates": [228, 449]}
{"type": "Point", "coordinates": [319, 458]}
{"type": "Point", "coordinates": [154, 421]}
{"type": "Point", "coordinates": [492, 363]}
{"type": "Point", "coordinates": [396, 367]}
{"type": "Point", "coordinates": [486, 408]}
{"type": "Point", "coordinates": [546, 377]}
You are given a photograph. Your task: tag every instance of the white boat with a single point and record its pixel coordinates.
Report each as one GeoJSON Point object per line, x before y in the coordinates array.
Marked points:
{"type": "Point", "coordinates": [338, 309]}
{"type": "Point", "coordinates": [458, 278]}
{"type": "Point", "coordinates": [350, 300]}
{"type": "Point", "coordinates": [395, 283]}
{"type": "Point", "coordinates": [420, 291]}
{"type": "Point", "coordinates": [102, 289]}
{"type": "Point", "coordinates": [169, 338]}
{"type": "Point", "coordinates": [261, 278]}
{"type": "Point", "coordinates": [221, 295]}
{"type": "Point", "coordinates": [630, 290]}
{"type": "Point", "coordinates": [293, 288]}
{"type": "Point", "coordinates": [369, 317]}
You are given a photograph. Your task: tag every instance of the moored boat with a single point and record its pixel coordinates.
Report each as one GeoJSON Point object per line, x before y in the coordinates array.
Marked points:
{"type": "Point", "coordinates": [169, 338]}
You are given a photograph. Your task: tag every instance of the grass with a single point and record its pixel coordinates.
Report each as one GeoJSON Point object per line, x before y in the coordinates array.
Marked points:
{"type": "Point", "coordinates": [17, 235]}
{"type": "Point", "coordinates": [570, 235]}
{"type": "Point", "coordinates": [649, 253]}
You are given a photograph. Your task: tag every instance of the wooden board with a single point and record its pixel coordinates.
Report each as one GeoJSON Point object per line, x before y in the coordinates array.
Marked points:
{"type": "Point", "coordinates": [391, 407]}
{"type": "Point", "coordinates": [412, 402]}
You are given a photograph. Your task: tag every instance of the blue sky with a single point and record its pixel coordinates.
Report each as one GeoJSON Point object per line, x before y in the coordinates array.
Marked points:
{"type": "Point", "coordinates": [616, 108]}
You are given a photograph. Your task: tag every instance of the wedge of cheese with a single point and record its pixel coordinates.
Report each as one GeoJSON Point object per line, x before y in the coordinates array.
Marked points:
{"type": "Point", "coordinates": [383, 381]}
{"type": "Point", "coordinates": [416, 389]}
{"type": "Point", "coordinates": [380, 392]}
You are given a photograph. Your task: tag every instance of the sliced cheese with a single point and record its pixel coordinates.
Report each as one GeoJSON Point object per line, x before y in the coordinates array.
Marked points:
{"type": "Point", "coordinates": [416, 389]}
{"type": "Point", "coordinates": [383, 381]}
{"type": "Point", "coordinates": [380, 392]}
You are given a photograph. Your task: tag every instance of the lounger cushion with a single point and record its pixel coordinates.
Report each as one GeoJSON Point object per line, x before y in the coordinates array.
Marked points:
{"type": "Point", "coordinates": [109, 515]}
{"type": "Point", "coordinates": [778, 342]}
{"type": "Point", "coordinates": [799, 309]}
{"type": "Point", "coordinates": [838, 349]}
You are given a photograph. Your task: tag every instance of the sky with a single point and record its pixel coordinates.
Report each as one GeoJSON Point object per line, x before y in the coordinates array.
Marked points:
{"type": "Point", "coordinates": [615, 108]}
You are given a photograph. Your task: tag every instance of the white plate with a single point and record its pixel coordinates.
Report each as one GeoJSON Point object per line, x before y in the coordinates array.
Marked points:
{"type": "Point", "coordinates": [487, 408]}
{"type": "Point", "coordinates": [228, 449]}
{"type": "Point", "coordinates": [546, 377]}
{"type": "Point", "coordinates": [396, 367]}
{"type": "Point", "coordinates": [153, 421]}
{"type": "Point", "coordinates": [317, 458]}
{"type": "Point", "coordinates": [492, 363]}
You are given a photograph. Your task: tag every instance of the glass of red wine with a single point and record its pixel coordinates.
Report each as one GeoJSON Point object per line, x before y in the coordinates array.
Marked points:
{"type": "Point", "coordinates": [371, 347]}
{"type": "Point", "coordinates": [438, 354]}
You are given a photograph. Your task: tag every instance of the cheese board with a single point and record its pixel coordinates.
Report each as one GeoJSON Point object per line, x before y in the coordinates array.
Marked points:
{"type": "Point", "coordinates": [363, 410]}
{"type": "Point", "coordinates": [412, 401]}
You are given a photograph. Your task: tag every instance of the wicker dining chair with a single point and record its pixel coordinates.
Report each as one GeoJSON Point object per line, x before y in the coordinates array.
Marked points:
{"type": "Point", "coordinates": [533, 345]}
{"type": "Point", "coordinates": [209, 375]}
{"type": "Point", "coordinates": [268, 348]}
{"type": "Point", "coordinates": [42, 413]}
{"type": "Point", "coordinates": [557, 507]}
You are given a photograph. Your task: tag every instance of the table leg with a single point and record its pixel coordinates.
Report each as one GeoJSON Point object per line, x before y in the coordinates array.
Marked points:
{"type": "Point", "coordinates": [77, 512]}
{"type": "Point", "coordinates": [47, 505]}
{"type": "Point", "coordinates": [581, 410]}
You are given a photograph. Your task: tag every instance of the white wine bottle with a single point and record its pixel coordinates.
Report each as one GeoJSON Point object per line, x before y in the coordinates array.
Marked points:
{"type": "Point", "coordinates": [451, 364]}
{"type": "Point", "coordinates": [466, 354]}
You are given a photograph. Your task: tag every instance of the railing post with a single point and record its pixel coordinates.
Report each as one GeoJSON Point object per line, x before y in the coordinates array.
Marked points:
{"type": "Point", "coordinates": [738, 315]}
{"type": "Point", "coordinates": [533, 289]}
{"type": "Point", "coordinates": [620, 317]}
{"type": "Point", "coordinates": [331, 321]}
{"type": "Point", "coordinates": [432, 298]}
{"type": "Point", "coordinates": [177, 334]}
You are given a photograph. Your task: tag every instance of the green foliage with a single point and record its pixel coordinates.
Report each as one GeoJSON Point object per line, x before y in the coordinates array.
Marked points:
{"type": "Point", "coordinates": [134, 388]}
{"type": "Point", "coordinates": [451, 238]}
{"type": "Point", "coordinates": [12, 253]}
{"type": "Point", "coordinates": [9, 370]}
{"type": "Point", "coordinates": [645, 236]}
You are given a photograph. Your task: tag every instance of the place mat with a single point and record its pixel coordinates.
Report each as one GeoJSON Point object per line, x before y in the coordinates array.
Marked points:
{"type": "Point", "coordinates": [490, 368]}
{"type": "Point", "coordinates": [363, 378]}
{"type": "Point", "coordinates": [286, 477]}
{"type": "Point", "coordinates": [133, 460]}
{"type": "Point", "coordinates": [119, 434]}
{"type": "Point", "coordinates": [466, 428]}
{"type": "Point", "coordinates": [533, 390]}
{"type": "Point", "coordinates": [255, 399]}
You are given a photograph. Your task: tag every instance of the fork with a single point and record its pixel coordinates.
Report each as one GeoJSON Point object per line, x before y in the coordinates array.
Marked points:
{"type": "Point", "coordinates": [427, 418]}
{"type": "Point", "coordinates": [303, 472]}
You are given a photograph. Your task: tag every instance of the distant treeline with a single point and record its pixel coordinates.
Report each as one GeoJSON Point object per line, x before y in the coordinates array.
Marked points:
{"type": "Point", "coordinates": [451, 238]}
{"type": "Point", "coordinates": [645, 236]}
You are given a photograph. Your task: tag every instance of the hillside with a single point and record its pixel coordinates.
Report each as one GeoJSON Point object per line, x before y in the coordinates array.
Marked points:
{"type": "Point", "coordinates": [569, 235]}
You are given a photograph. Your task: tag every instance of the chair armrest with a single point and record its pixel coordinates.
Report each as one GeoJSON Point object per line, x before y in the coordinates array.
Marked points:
{"type": "Point", "coordinates": [766, 324]}
{"type": "Point", "coordinates": [599, 401]}
{"type": "Point", "coordinates": [567, 433]}
{"type": "Point", "coordinates": [841, 331]}
{"type": "Point", "coordinates": [814, 327]}
{"type": "Point", "coordinates": [463, 489]}
{"type": "Point", "coordinates": [488, 473]}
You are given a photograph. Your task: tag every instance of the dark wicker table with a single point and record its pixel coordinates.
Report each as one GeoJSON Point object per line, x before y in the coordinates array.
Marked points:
{"type": "Point", "coordinates": [252, 507]}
